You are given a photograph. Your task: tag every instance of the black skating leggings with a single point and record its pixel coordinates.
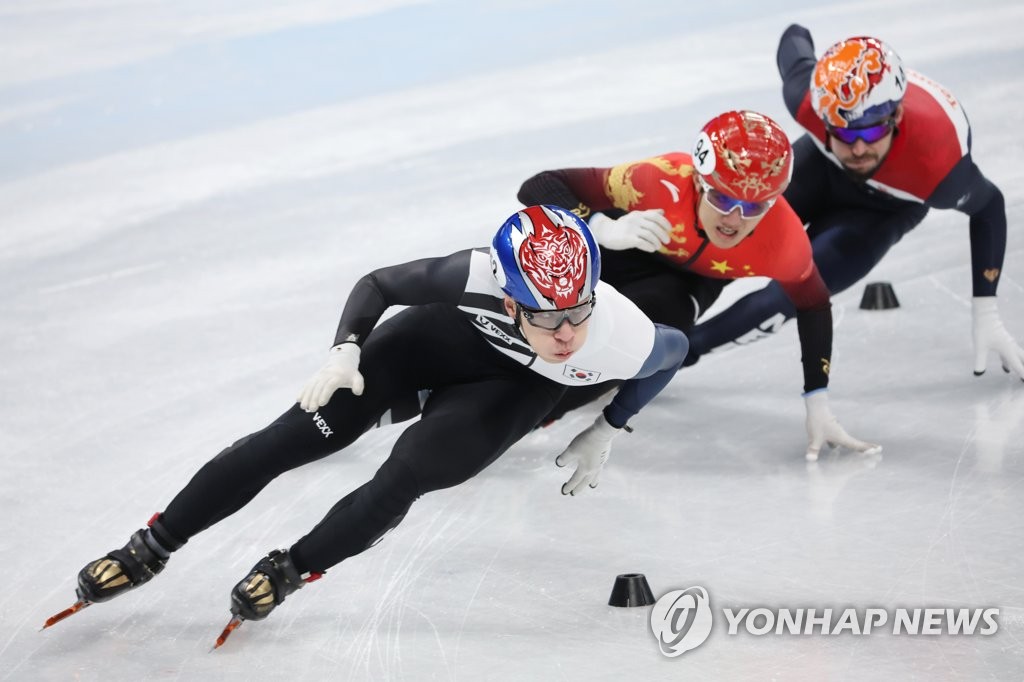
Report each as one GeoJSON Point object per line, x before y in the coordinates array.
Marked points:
{"type": "Point", "coordinates": [480, 404]}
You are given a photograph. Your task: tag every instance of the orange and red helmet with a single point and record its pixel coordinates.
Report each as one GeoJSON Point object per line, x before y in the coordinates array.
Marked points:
{"type": "Point", "coordinates": [745, 155]}
{"type": "Point", "coordinates": [857, 83]}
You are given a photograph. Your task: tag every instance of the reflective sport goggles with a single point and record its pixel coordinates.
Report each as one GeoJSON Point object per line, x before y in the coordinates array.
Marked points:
{"type": "Point", "coordinates": [553, 319]}
{"type": "Point", "coordinates": [724, 204]}
{"type": "Point", "coordinates": [870, 135]}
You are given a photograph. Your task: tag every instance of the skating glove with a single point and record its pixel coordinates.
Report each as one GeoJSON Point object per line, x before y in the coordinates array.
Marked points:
{"type": "Point", "coordinates": [589, 450]}
{"type": "Point", "coordinates": [822, 427]}
{"type": "Point", "coordinates": [644, 230]}
{"type": "Point", "coordinates": [991, 335]}
{"type": "Point", "coordinates": [340, 371]}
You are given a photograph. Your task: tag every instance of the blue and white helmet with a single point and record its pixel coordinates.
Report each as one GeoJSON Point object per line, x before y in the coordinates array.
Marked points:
{"type": "Point", "coordinates": [545, 258]}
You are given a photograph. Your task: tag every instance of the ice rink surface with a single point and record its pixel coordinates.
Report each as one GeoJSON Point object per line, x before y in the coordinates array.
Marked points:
{"type": "Point", "coordinates": [188, 192]}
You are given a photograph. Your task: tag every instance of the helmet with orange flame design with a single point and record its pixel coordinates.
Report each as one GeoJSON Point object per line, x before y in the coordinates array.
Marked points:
{"type": "Point", "coordinates": [857, 83]}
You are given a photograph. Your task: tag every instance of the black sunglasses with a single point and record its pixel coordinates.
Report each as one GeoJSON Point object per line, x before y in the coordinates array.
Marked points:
{"type": "Point", "coordinates": [553, 319]}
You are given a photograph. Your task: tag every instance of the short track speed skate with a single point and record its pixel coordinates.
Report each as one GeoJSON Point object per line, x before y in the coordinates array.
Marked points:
{"type": "Point", "coordinates": [273, 578]}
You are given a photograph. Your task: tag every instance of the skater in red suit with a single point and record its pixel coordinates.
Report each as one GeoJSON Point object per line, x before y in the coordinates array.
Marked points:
{"type": "Point", "coordinates": [675, 228]}
{"type": "Point", "coordinates": [884, 144]}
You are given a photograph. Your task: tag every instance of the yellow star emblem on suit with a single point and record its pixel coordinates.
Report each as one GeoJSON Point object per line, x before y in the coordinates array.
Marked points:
{"type": "Point", "coordinates": [721, 266]}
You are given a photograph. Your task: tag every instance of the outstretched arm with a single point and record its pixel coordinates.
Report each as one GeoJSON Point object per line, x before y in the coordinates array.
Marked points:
{"type": "Point", "coordinates": [967, 190]}
{"type": "Point", "coordinates": [428, 280]}
{"type": "Point", "coordinates": [814, 325]}
{"type": "Point", "coordinates": [582, 191]}
{"type": "Point", "coordinates": [810, 296]}
{"type": "Point", "coordinates": [795, 59]}
{"type": "Point", "coordinates": [590, 449]}
{"type": "Point", "coordinates": [669, 350]}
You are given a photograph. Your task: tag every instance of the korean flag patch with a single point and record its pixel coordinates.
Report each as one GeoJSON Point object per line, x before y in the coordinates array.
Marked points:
{"type": "Point", "coordinates": [580, 375]}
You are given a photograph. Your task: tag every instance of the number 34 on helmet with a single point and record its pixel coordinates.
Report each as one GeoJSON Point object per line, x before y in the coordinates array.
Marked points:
{"type": "Point", "coordinates": [743, 155]}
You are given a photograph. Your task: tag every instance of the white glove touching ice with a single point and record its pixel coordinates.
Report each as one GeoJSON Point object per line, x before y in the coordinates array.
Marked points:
{"type": "Point", "coordinates": [589, 451]}
{"type": "Point", "coordinates": [822, 427]}
{"type": "Point", "coordinates": [645, 230]}
{"type": "Point", "coordinates": [340, 371]}
{"type": "Point", "coordinates": [991, 335]}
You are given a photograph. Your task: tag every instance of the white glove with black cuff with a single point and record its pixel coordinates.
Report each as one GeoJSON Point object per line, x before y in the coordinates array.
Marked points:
{"type": "Point", "coordinates": [645, 230]}
{"type": "Point", "coordinates": [823, 427]}
{"type": "Point", "coordinates": [340, 371]}
{"type": "Point", "coordinates": [589, 451]}
{"type": "Point", "coordinates": [991, 335]}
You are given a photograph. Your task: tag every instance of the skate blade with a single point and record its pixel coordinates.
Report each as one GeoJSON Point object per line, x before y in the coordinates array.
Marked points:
{"type": "Point", "coordinates": [228, 629]}
{"type": "Point", "coordinates": [70, 611]}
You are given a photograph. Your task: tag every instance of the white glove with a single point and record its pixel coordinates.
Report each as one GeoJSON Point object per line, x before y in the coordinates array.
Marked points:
{"type": "Point", "coordinates": [644, 230]}
{"type": "Point", "coordinates": [589, 450]}
{"type": "Point", "coordinates": [822, 427]}
{"type": "Point", "coordinates": [990, 335]}
{"type": "Point", "coordinates": [340, 371]}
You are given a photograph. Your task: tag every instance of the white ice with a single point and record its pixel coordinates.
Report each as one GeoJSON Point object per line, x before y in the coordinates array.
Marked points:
{"type": "Point", "coordinates": [189, 190]}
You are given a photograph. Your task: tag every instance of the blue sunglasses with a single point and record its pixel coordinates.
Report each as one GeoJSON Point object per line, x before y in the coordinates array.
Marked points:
{"type": "Point", "coordinates": [870, 135]}
{"type": "Point", "coordinates": [725, 204]}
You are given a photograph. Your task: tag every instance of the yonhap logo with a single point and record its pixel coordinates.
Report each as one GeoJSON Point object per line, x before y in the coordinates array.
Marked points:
{"type": "Point", "coordinates": [681, 620]}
